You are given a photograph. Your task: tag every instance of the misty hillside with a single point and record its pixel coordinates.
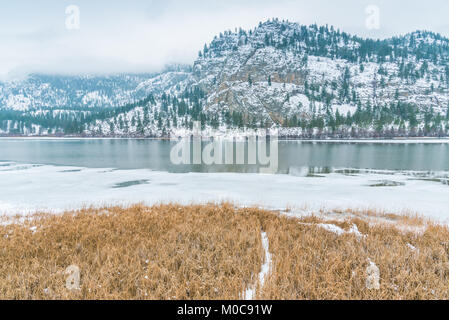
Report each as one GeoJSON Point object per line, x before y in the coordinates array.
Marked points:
{"type": "Point", "coordinates": [311, 81]}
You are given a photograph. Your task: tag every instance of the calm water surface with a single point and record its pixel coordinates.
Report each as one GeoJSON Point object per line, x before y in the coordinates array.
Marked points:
{"type": "Point", "coordinates": [155, 155]}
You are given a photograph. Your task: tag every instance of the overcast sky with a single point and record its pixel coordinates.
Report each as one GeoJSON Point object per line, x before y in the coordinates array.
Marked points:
{"type": "Point", "coordinates": [144, 35]}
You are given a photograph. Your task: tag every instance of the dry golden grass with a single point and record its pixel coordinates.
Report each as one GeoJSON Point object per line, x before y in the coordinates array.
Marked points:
{"type": "Point", "coordinates": [166, 252]}
{"type": "Point", "coordinates": [312, 263]}
{"type": "Point", "coordinates": [215, 252]}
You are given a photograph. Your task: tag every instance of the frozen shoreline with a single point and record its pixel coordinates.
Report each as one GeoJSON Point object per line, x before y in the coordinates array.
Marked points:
{"type": "Point", "coordinates": [281, 138]}
{"type": "Point", "coordinates": [25, 189]}
{"type": "Point", "coordinates": [398, 141]}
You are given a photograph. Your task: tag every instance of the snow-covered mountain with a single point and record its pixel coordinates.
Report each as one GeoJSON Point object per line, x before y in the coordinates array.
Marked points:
{"type": "Point", "coordinates": [53, 92]}
{"type": "Point", "coordinates": [311, 81]}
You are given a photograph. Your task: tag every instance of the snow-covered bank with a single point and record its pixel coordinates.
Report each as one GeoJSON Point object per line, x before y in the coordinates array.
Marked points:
{"type": "Point", "coordinates": [30, 188]}
{"type": "Point", "coordinates": [396, 141]}
{"type": "Point", "coordinates": [240, 135]}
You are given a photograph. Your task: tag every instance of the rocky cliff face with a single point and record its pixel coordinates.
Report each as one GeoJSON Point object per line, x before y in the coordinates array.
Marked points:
{"type": "Point", "coordinates": [281, 68]}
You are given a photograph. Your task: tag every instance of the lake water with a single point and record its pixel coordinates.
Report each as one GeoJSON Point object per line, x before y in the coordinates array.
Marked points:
{"type": "Point", "coordinates": [155, 155]}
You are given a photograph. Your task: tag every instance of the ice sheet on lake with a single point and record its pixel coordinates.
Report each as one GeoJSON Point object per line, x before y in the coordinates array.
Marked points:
{"type": "Point", "coordinates": [41, 188]}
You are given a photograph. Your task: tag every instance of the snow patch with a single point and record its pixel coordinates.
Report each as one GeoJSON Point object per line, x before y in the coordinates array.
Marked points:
{"type": "Point", "coordinates": [250, 293]}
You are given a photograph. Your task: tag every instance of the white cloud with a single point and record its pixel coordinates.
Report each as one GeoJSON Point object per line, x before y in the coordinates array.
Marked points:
{"type": "Point", "coordinates": [143, 36]}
